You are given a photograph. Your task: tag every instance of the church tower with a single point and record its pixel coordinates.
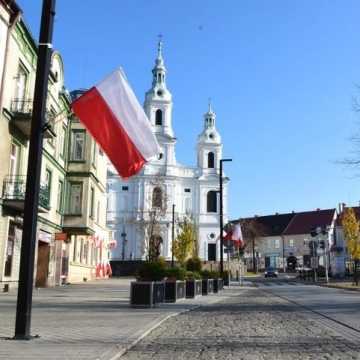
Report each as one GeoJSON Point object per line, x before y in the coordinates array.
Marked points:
{"type": "Point", "coordinates": [158, 108]}
{"type": "Point", "coordinates": [209, 146]}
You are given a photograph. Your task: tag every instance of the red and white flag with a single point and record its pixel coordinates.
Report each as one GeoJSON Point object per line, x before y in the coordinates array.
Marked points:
{"type": "Point", "coordinates": [112, 114]}
{"type": "Point", "coordinates": [237, 236]}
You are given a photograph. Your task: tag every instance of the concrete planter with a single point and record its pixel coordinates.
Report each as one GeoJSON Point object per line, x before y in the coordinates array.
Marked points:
{"type": "Point", "coordinates": [174, 289]}
{"type": "Point", "coordinates": [218, 285]}
{"type": "Point", "coordinates": [147, 293]}
{"type": "Point", "coordinates": [193, 288]}
{"type": "Point", "coordinates": [207, 286]}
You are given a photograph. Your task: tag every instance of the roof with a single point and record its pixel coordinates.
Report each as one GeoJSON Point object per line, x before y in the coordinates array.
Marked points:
{"type": "Point", "coordinates": [270, 225]}
{"type": "Point", "coordinates": [304, 222]}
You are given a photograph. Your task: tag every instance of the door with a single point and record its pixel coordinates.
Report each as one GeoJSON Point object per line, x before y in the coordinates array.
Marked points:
{"type": "Point", "coordinates": [42, 270]}
{"type": "Point", "coordinates": [211, 252]}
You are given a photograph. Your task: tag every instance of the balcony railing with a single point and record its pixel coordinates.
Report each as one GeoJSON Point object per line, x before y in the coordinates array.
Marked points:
{"type": "Point", "coordinates": [21, 110]}
{"type": "Point", "coordinates": [14, 190]}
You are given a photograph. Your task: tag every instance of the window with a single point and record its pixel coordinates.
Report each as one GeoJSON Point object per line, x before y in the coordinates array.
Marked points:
{"type": "Point", "coordinates": [78, 145]}
{"type": "Point", "coordinates": [20, 88]}
{"type": "Point", "coordinates": [211, 201]}
{"type": "Point", "coordinates": [9, 250]}
{"type": "Point", "coordinates": [187, 190]}
{"type": "Point", "coordinates": [125, 188]}
{"type": "Point", "coordinates": [277, 244]}
{"type": "Point", "coordinates": [291, 242]}
{"type": "Point", "coordinates": [92, 202]}
{"type": "Point", "coordinates": [50, 122]}
{"type": "Point", "coordinates": [157, 198]}
{"type": "Point", "coordinates": [75, 198]}
{"type": "Point", "coordinates": [60, 196]}
{"type": "Point", "coordinates": [98, 212]}
{"type": "Point", "coordinates": [14, 159]}
{"type": "Point", "coordinates": [211, 160]}
{"type": "Point", "coordinates": [62, 141]}
{"type": "Point", "coordinates": [94, 153]}
{"type": "Point", "coordinates": [158, 117]}
{"type": "Point", "coordinates": [47, 182]}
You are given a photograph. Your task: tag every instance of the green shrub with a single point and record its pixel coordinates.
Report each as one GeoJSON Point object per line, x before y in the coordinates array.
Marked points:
{"type": "Point", "coordinates": [177, 273]}
{"type": "Point", "coordinates": [151, 271]}
{"type": "Point", "coordinates": [214, 274]}
{"type": "Point", "coordinates": [206, 274]}
{"type": "Point", "coordinates": [193, 275]}
{"type": "Point", "coordinates": [193, 264]}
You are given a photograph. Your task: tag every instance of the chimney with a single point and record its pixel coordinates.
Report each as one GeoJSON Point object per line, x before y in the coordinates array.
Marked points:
{"type": "Point", "coordinates": [318, 209]}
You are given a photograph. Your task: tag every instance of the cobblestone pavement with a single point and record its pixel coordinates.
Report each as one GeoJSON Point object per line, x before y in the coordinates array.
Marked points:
{"type": "Point", "coordinates": [254, 325]}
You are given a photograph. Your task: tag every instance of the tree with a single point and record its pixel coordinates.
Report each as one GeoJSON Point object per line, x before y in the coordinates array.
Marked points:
{"type": "Point", "coordinates": [351, 229]}
{"type": "Point", "coordinates": [252, 229]}
{"type": "Point", "coordinates": [185, 244]}
{"type": "Point", "coordinates": [152, 219]}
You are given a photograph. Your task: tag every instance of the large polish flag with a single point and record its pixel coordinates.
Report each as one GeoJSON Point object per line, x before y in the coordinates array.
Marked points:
{"type": "Point", "coordinates": [112, 114]}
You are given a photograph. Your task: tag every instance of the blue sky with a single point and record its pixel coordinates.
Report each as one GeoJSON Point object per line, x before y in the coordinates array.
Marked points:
{"type": "Point", "coordinates": [281, 75]}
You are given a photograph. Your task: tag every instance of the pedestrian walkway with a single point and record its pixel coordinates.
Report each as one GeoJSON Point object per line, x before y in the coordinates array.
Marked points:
{"type": "Point", "coordinates": [87, 321]}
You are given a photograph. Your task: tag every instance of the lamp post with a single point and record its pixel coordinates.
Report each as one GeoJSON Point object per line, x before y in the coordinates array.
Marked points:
{"type": "Point", "coordinates": [221, 216]}
{"type": "Point", "coordinates": [123, 235]}
{"type": "Point", "coordinates": [172, 235]}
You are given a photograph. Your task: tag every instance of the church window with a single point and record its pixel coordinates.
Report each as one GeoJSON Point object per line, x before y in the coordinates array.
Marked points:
{"type": "Point", "coordinates": [158, 117]}
{"type": "Point", "coordinates": [160, 156]}
{"type": "Point", "coordinates": [211, 204]}
{"type": "Point", "coordinates": [187, 190]}
{"type": "Point", "coordinates": [157, 198]}
{"type": "Point", "coordinates": [125, 188]}
{"type": "Point", "coordinates": [211, 159]}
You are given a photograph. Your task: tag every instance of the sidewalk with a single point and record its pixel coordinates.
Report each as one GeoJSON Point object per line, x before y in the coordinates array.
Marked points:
{"type": "Point", "coordinates": [86, 321]}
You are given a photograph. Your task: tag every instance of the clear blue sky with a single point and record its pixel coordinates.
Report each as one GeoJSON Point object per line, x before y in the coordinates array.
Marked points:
{"type": "Point", "coordinates": [281, 74]}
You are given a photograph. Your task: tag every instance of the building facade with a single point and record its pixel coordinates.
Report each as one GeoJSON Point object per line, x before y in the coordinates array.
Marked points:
{"type": "Point", "coordinates": [164, 182]}
{"type": "Point", "coordinates": [55, 230]}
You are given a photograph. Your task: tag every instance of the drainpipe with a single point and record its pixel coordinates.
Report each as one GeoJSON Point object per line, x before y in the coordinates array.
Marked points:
{"type": "Point", "coordinates": [11, 26]}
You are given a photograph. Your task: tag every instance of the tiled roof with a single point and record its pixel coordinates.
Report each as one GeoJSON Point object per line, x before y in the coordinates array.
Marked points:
{"type": "Point", "coordinates": [304, 222]}
{"type": "Point", "coordinates": [270, 225]}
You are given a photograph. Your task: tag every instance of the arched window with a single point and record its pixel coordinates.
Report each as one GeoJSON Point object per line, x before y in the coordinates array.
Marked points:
{"type": "Point", "coordinates": [211, 201]}
{"type": "Point", "coordinates": [211, 162]}
{"type": "Point", "coordinates": [158, 117]}
{"type": "Point", "coordinates": [157, 198]}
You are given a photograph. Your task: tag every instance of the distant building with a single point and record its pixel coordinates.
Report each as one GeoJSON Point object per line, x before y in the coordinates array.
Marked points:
{"type": "Point", "coordinates": [283, 240]}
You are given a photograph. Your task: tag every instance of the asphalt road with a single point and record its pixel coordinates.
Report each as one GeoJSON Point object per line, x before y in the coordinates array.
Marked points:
{"type": "Point", "coordinates": [342, 306]}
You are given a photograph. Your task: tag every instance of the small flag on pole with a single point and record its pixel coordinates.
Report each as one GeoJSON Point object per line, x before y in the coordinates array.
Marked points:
{"type": "Point", "coordinates": [112, 114]}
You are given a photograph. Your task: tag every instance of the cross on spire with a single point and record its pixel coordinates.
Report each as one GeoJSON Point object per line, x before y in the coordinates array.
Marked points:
{"type": "Point", "coordinates": [160, 36]}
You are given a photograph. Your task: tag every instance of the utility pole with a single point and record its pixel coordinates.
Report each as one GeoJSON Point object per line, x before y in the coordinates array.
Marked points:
{"type": "Point", "coordinates": [221, 216]}
{"type": "Point", "coordinates": [172, 235]}
{"type": "Point", "coordinates": [28, 245]}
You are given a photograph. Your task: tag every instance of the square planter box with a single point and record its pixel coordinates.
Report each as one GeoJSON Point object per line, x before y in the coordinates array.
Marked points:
{"type": "Point", "coordinates": [174, 290]}
{"type": "Point", "coordinates": [193, 288]}
{"type": "Point", "coordinates": [218, 285]}
{"type": "Point", "coordinates": [226, 281]}
{"type": "Point", "coordinates": [147, 293]}
{"type": "Point", "coordinates": [207, 286]}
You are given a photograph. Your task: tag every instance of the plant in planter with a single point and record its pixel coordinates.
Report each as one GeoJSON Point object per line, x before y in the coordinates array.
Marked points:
{"type": "Point", "coordinates": [174, 284]}
{"type": "Point", "coordinates": [194, 264]}
{"type": "Point", "coordinates": [149, 289]}
{"type": "Point", "coordinates": [226, 277]}
{"type": "Point", "coordinates": [193, 284]}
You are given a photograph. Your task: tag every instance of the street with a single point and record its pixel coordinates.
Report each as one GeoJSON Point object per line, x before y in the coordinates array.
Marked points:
{"type": "Point", "coordinates": [256, 321]}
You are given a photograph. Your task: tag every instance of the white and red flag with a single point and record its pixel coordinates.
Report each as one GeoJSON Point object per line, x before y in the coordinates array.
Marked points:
{"type": "Point", "coordinates": [237, 236]}
{"type": "Point", "coordinates": [112, 114]}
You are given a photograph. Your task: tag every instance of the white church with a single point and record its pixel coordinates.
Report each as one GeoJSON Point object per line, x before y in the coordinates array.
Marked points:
{"type": "Point", "coordinates": [193, 190]}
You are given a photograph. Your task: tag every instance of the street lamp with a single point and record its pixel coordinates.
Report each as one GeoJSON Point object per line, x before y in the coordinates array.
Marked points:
{"type": "Point", "coordinates": [221, 216]}
{"type": "Point", "coordinates": [123, 235]}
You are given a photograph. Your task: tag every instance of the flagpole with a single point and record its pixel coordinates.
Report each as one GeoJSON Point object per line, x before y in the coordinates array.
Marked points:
{"type": "Point", "coordinates": [28, 245]}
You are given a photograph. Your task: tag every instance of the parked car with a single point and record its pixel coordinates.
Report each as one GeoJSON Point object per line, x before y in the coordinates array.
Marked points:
{"type": "Point", "coordinates": [271, 272]}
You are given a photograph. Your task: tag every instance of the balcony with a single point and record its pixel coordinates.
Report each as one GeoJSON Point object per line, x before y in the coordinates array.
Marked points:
{"type": "Point", "coordinates": [13, 195]}
{"type": "Point", "coordinates": [21, 113]}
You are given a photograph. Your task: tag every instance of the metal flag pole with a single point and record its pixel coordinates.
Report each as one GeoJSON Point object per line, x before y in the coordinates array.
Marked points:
{"type": "Point", "coordinates": [172, 235]}
{"type": "Point", "coordinates": [28, 245]}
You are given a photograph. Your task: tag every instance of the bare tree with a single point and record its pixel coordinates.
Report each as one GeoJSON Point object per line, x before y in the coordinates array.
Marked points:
{"type": "Point", "coordinates": [150, 221]}
{"type": "Point", "coordinates": [252, 229]}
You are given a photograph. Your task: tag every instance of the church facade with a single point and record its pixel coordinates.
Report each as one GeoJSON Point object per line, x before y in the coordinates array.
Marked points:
{"type": "Point", "coordinates": [188, 192]}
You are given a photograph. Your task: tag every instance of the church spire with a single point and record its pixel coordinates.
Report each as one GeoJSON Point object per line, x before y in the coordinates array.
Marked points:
{"type": "Point", "coordinates": [210, 117]}
{"type": "Point", "coordinates": [159, 70]}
